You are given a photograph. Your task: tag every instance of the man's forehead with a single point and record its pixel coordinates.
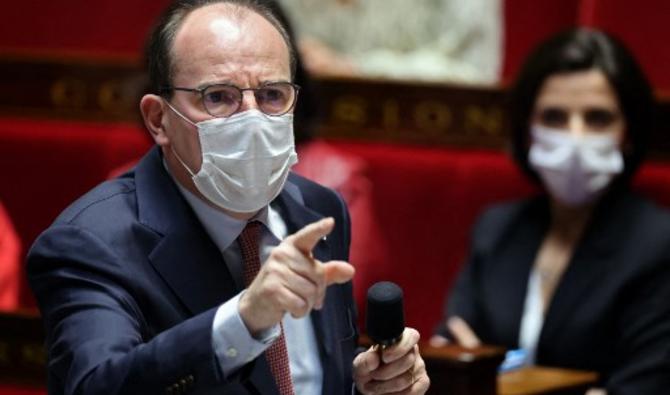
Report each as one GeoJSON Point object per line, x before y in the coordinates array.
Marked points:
{"type": "Point", "coordinates": [225, 26]}
{"type": "Point", "coordinates": [200, 18]}
{"type": "Point", "coordinates": [225, 21]}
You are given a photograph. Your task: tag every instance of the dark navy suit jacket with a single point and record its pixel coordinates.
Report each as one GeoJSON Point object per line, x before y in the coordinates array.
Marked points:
{"type": "Point", "coordinates": [128, 283]}
{"type": "Point", "coordinates": [611, 310]}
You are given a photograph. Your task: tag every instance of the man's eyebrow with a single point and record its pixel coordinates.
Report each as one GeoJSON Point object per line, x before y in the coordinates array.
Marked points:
{"type": "Point", "coordinates": [265, 82]}
{"type": "Point", "coordinates": [206, 84]}
{"type": "Point", "coordinates": [229, 82]}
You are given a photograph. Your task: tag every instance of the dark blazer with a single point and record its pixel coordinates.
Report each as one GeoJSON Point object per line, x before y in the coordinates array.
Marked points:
{"type": "Point", "coordinates": [611, 310]}
{"type": "Point", "coordinates": [128, 283]}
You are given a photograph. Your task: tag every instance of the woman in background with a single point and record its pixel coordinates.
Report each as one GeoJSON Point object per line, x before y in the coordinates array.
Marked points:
{"type": "Point", "coordinates": [580, 276]}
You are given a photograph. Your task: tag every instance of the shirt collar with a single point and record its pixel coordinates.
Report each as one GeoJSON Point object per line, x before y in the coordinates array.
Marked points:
{"type": "Point", "coordinates": [224, 229]}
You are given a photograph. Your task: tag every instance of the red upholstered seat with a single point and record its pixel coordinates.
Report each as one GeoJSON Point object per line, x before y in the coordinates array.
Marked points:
{"type": "Point", "coordinates": [425, 201]}
{"type": "Point", "coordinates": [642, 25]}
{"type": "Point", "coordinates": [10, 263]}
{"type": "Point", "coordinates": [6, 389]}
{"type": "Point", "coordinates": [653, 181]}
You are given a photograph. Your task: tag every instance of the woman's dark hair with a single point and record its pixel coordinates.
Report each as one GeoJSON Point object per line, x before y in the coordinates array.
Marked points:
{"type": "Point", "coordinates": [582, 49]}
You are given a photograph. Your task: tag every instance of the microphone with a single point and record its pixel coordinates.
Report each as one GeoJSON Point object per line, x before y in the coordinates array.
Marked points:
{"type": "Point", "coordinates": [385, 317]}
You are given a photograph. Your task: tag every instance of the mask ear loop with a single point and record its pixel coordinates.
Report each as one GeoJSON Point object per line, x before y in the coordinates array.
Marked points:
{"type": "Point", "coordinates": [182, 162]}
{"type": "Point", "coordinates": [182, 116]}
{"type": "Point", "coordinates": [171, 146]}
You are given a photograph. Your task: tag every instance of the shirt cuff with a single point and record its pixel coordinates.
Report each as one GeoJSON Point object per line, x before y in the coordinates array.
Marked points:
{"type": "Point", "coordinates": [233, 344]}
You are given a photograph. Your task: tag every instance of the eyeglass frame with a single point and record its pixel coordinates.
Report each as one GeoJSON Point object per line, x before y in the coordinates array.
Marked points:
{"type": "Point", "coordinates": [201, 92]}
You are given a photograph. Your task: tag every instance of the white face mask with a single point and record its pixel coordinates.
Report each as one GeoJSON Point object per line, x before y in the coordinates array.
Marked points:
{"type": "Point", "coordinates": [575, 170]}
{"type": "Point", "coordinates": [246, 159]}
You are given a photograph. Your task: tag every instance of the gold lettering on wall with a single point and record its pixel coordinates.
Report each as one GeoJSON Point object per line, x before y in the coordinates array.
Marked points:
{"type": "Point", "coordinates": [69, 92]}
{"type": "Point", "coordinates": [111, 97]}
{"type": "Point", "coordinates": [390, 114]}
{"type": "Point", "coordinates": [349, 109]}
{"type": "Point", "coordinates": [4, 354]}
{"type": "Point", "coordinates": [483, 121]}
{"type": "Point", "coordinates": [33, 354]}
{"type": "Point", "coordinates": [432, 116]}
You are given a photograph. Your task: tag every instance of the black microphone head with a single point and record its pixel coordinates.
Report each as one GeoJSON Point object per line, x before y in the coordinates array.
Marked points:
{"type": "Point", "coordinates": [385, 319]}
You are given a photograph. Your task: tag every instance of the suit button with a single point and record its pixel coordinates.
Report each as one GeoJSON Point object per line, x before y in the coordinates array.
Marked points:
{"type": "Point", "coordinates": [190, 379]}
{"type": "Point", "coordinates": [231, 352]}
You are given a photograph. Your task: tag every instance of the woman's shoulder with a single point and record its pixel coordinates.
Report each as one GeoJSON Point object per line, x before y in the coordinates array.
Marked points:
{"type": "Point", "coordinates": [632, 228]}
{"type": "Point", "coordinates": [503, 213]}
{"type": "Point", "coordinates": [503, 219]}
{"type": "Point", "coordinates": [637, 213]}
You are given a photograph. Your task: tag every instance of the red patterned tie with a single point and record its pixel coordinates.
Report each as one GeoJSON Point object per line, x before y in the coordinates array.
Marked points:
{"type": "Point", "coordinates": [276, 354]}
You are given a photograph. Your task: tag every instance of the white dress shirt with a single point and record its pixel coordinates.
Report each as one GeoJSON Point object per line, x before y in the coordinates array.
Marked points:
{"type": "Point", "coordinates": [233, 344]}
{"type": "Point", "coordinates": [532, 319]}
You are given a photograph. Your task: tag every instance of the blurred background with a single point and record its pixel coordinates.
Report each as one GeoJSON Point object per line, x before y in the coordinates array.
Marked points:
{"type": "Point", "coordinates": [408, 117]}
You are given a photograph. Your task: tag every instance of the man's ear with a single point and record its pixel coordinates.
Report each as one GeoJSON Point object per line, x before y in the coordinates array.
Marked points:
{"type": "Point", "coordinates": [153, 111]}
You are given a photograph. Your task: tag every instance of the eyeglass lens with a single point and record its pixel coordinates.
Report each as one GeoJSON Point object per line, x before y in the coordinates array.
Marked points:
{"type": "Point", "coordinates": [272, 99]}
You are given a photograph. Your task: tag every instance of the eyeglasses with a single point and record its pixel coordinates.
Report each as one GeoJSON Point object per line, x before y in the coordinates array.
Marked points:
{"type": "Point", "coordinates": [223, 100]}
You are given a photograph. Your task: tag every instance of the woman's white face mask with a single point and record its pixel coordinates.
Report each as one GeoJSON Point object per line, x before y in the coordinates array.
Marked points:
{"type": "Point", "coordinates": [246, 159]}
{"type": "Point", "coordinates": [576, 170]}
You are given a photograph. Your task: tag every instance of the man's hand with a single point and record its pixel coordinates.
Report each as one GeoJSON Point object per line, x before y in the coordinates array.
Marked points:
{"type": "Point", "coordinates": [400, 370]}
{"type": "Point", "coordinates": [291, 280]}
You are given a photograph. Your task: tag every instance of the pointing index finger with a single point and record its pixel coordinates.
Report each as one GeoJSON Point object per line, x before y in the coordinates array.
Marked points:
{"type": "Point", "coordinates": [306, 238]}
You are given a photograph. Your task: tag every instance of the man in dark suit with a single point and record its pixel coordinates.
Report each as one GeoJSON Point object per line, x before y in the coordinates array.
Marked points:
{"type": "Point", "coordinates": [209, 268]}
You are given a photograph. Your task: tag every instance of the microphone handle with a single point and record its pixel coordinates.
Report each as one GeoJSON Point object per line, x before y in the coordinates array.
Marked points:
{"type": "Point", "coordinates": [380, 347]}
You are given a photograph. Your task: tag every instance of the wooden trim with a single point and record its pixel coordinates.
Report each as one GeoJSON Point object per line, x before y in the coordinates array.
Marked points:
{"type": "Point", "coordinates": [70, 89]}
{"type": "Point", "coordinates": [22, 354]}
{"type": "Point", "coordinates": [545, 381]}
{"type": "Point", "coordinates": [108, 89]}
{"type": "Point", "coordinates": [416, 113]}
{"type": "Point", "coordinates": [459, 371]}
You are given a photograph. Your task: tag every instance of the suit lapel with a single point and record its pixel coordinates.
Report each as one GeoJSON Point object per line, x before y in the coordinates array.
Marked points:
{"type": "Point", "coordinates": [185, 257]}
{"type": "Point", "coordinates": [589, 262]}
{"type": "Point", "coordinates": [297, 216]}
{"type": "Point", "coordinates": [509, 282]}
